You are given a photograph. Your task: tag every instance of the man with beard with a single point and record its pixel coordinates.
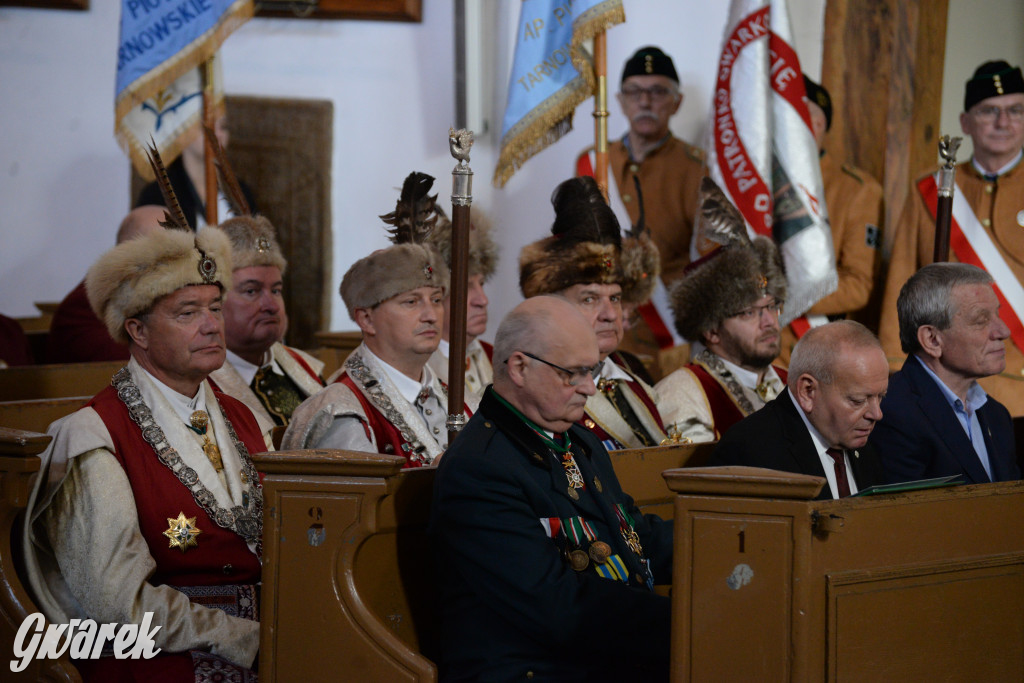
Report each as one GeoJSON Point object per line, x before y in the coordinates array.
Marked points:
{"type": "Point", "coordinates": [820, 424]}
{"type": "Point", "coordinates": [261, 372]}
{"type": "Point", "coordinates": [938, 420]}
{"type": "Point", "coordinates": [386, 399]}
{"type": "Point", "coordinates": [728, 306]}
{"type": "Point", "coordinates": [545, 566]}
{"type": "Point", "coordinates": [584, 262]}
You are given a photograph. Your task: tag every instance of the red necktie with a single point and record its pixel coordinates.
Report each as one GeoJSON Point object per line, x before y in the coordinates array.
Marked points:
{"type": "Point", "coordinates": [839, 461]}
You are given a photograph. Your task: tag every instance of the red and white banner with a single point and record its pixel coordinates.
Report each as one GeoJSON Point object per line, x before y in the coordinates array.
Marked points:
{"type": "Point", "coordinates": [763, 153]}
{"type": "Point", "coordinates": [971, 244]}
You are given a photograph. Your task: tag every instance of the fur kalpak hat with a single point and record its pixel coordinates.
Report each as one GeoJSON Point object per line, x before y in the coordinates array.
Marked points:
{"type": "Point", "coordinates": [483, 251]}
{"type": "Point", "coordinates": [585, 246]}
{"type": "Point", "coordinates": [253, 242]}
{"type": "Point", "coordinates": [131, 277]}
{"type": "Point", "coordinates": [411, 263]}
{"type": "Point", "coordinates": [127, 280]}
{"type": "Point", "coordinates": [730, 278]}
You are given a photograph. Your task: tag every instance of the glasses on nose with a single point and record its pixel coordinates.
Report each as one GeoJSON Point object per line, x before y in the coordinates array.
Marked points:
{"type": "Point", "coordinates": [570, 377]}
{"type": "Point", "coordinates": [772, 308]}
{"type": "Point", "coordinates": [990, 113]}
{"type": "Point", "coordinates": [657, 93]}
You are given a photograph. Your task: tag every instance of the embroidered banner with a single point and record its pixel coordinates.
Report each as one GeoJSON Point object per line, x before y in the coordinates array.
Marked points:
{"type": "Point", "coordinates": [552, 72]}
{"type": "Point", "coordinates": [163, 44]}
{"type": "Point", "coordinates": [763, 152]}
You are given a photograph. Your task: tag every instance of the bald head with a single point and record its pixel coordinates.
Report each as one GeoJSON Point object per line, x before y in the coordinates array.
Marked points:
{"type": "Point", "coordinates": [140, 221]}
{"type": "Point", "coordinates": [539, 334]}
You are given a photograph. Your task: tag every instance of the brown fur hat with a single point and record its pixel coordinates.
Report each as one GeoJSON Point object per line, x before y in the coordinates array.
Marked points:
{"type": "Point", "coordinates": [483, 251]}
{"type": "Point", "coordinates": [253, 242]}
{"type": "Point", "coordinates": [131, 277]}
{"type": "Point", "coordinates": [389, 272]}
{"type": "Point", "coordinates": [724, 283]}
{"type": "Point", "coordinates": [585, 246]}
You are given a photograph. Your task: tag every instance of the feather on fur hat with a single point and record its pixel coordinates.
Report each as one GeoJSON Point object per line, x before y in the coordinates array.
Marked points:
{"type": "Point", "coordinates": [410, 263]}
{"type": "Point", "coordinates": [728, 279]}
{"type": "Point", "coordinates": [585, 246]}
{"type": "Point", "coordinates": [128, 279]}
{"type": "Point", "coordinates": [253, 242]}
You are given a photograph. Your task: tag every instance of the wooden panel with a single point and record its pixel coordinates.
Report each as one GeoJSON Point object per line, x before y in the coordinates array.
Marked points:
{"type": "Point", "coordinates": [334, 347]}
{"type": "Point", "coordinates": [56, 381]}
{"type": "Point", "coordinates": [915, 586]}
{"type": "Point", "coordinates": [882, 64]}
{"type": "Point", "coordinates": [388, 10]}
{"type": "Point", "coordinates": [639, 472]}
{"type": "Point", "coordinates": [282, 148]}
{"type": "Point", "coordinates": [345, 567]}
{"type": "Point", "coordinates": [972, 608]}
{"type": "Point", "coordinates": [35, 415]}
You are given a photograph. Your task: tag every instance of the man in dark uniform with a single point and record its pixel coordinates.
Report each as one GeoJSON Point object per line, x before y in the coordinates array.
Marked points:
{"type": "Point", "coordinates": [545, 565]}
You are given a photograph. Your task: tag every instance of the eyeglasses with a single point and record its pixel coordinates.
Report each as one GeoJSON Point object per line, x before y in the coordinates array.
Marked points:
{"type": "Point", "coordinates": [773, 308]}
{"type": "Point", "coordinates": [570, 377]}
{"type": "Point", "coordinates": [656, 93]}
{"type": "Point", "coordinates": [990, 113]}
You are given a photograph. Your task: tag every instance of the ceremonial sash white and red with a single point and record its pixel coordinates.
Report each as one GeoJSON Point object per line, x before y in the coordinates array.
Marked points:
{"type": "Point", "coordinates": [972, 244]}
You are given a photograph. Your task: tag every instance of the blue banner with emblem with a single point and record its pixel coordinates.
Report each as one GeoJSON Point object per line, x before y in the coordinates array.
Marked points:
{"type": "Point", "coordinates": [552, 72]}
{"type": "Point", "coordinates": [163, 44]}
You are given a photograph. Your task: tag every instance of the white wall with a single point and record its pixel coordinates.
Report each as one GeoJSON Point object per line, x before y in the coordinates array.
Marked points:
{"type": "Point", "coordinates": [64, 184]}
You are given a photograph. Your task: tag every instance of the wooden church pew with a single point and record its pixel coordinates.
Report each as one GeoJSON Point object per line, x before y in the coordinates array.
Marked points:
{"type": "Point", "coordinates": [56, 381]}
{"type": "Point", "coordinates": [35, 415]}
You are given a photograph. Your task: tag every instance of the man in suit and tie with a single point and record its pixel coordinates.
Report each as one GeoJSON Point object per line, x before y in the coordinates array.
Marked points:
{"type": "Point", "coordinates": [821, 422]}
{"type": "Point", "coordinates": [938, 420]}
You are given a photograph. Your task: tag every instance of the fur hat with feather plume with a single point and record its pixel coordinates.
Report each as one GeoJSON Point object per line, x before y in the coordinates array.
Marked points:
{"type": "Point", "coordinates": [410, 263]}
{"type": "Point", "coordinates": [731, 277]}
{"type": "Point", "coordinates": [585, 246]}
{"type": "Point", "coordinates": [127, 280]}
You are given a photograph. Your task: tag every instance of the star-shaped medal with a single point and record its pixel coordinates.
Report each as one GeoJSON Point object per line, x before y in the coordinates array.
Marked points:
{"type": "Point", "coordinates": [182, 532]}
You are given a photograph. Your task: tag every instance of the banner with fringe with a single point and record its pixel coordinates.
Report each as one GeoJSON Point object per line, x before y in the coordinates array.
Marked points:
{"type": "Point", "coordinates": [552, 72]}
{"type": "Point", "coordinates": [158, 93]}
{"type": "Point", "coordinates": [763, 154]}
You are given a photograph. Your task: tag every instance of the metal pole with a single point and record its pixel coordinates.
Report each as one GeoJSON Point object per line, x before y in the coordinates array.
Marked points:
{"type": "Point", "coordinates": [460, 143]}
{"type": "Point", "coordinates": [944, 204]}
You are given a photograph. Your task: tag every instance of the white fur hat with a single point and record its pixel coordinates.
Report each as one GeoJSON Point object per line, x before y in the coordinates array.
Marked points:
{"type": "Point", "coordinates": [131, 277]}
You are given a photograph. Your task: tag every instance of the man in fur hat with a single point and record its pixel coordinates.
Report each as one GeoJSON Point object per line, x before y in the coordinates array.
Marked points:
{"type": "Point", "coordinates": [728, 306]}
{"type": "Point", "coordinates": [147, 503]}
{"type": "Point", "coordinates": [583, 262]}
{"type": "Point", "coordinates": [386, 399]}
{"type": "Point", "coordinates": [483, 260]}
{"type": "Point", "coordinates": [988, 220]}
{"type": "Point", "coordinates": [261, 372]}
